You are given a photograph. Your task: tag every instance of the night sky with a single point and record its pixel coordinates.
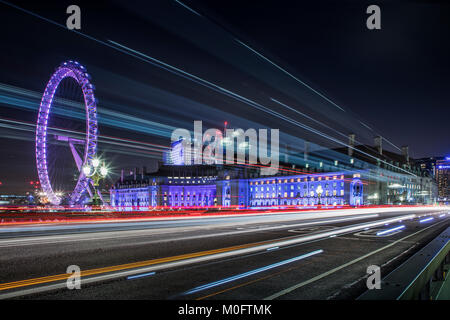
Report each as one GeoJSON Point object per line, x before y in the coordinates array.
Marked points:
{"type": "Point", "coordinates": [397, 78]}
{"type": "Point", "coordinates": [393, 82]}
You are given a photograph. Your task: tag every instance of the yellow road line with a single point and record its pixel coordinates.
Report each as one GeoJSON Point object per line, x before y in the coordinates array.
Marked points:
{"type": "Point", "coordinates": [64, 276]}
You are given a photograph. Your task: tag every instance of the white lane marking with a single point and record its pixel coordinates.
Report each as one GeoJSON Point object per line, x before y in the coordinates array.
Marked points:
{"type": "Point", "coordinates": [357, 239]}
{"type": "Point", "coordinates": [325, 274]}
{"type": "Point", "coordinates": [311, 229]}
{"type": "Point", "coordinates": [372, 233]}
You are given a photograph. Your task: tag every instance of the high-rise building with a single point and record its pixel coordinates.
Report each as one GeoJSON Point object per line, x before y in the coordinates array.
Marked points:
{"type": "Point", "coordinates": [443, 179]}
{"type": "Point", "coordinates": [429, 164]}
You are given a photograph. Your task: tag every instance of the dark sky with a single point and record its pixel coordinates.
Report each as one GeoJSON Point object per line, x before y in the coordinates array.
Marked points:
{"type": "Point", "coordinates": [395, 80]}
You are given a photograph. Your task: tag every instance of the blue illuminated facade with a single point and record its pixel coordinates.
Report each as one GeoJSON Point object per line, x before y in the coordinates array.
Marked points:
{"type": "Point", "coordinates": [193, 187]}
{"type": "Point", "coordinates": [299, 190]}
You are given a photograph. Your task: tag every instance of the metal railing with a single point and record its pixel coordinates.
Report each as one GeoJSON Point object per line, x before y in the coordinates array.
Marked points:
{"type": "Point", "coordinates": [415, 278]}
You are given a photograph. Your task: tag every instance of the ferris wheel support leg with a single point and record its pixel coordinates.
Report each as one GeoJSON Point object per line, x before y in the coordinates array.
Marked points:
{"type": "Point", "coordinates": [76, 156]}
{"type": "Point", "coordinates": [89, 191]}
{"type": "Point", "coordinates": [100, 196]}
{"type": "Point", "coordinates": [79, 163]}
{"type": "Point", "coordinates": [78, 160]}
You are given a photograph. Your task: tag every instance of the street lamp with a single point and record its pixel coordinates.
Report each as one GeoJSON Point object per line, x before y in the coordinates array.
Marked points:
{"type": "Point", "coordinates": [95, 163]}
{"type": "Point", "coordinates": [96, 173]}
{"type": "Point", "coordinates": [319, 192]}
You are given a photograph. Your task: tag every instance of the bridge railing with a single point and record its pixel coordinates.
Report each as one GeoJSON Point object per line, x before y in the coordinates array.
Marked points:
{"type": "Point", "coordinates": [417, 277]}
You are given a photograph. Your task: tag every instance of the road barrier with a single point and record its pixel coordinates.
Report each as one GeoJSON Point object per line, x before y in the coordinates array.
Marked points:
{"type": "Point", "coordinates": [418, 278]}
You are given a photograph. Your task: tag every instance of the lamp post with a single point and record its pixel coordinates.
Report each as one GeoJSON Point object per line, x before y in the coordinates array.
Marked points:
{"type": "Point", "coordinates": [96, 173]}
{"type": "Point", "coordinates": [319, 192]}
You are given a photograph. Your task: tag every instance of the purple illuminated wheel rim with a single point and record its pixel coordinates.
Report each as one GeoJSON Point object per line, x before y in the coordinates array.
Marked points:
{"type": "Point", "coordinates": [76, 71]}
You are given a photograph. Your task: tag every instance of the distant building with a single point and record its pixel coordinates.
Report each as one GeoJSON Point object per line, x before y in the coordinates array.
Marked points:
{"type": "Point", "coordinates": [354, 176]}
{"type": "Point", "coordinates": [443, 179]}
{"type": "Point", "coordinates": [176, 155]}
{"type": "Point", "coordinates": [15, 199]}
{"type": "Point", "coordinates": [429, 164]}
{"type": "Point", "coordinates": [225, 185]}
{"type": "Point", "coordinates": [393, 178]}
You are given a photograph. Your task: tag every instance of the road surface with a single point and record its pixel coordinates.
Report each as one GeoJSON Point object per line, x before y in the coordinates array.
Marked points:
{"type": "Point", "coordinates": [304, 255]}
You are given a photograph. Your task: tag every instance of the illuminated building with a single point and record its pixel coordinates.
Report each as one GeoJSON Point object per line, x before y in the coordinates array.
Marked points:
{"type": "Point", "coordinates": [176, 155]}
{"type": "Point", "coordinates": [443, 178]}
{"type": "Point", "coordinates": [333, 177]}
{"type": "Point", "coordinates": [429, 164]}
{"type": "Point", "coordinates": [226, 185]}
{"type": "Point", "coordinates": [391, 178]}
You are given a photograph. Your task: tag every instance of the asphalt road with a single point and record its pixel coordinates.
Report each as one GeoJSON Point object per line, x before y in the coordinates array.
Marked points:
{"type": "Point", "coordinates": [277, 256]}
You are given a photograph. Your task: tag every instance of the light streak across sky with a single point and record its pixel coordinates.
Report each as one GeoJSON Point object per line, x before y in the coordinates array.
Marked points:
{"type": "Point", "coordinates": [28, 99]}
{"type": "Point", "coordinates": [168, 67]}
{"type": "Point", "coordinates": [292, 76]}
{"type": "Point", "coordinates": [196, 79]}
{"type": "Point", "coordinates": [289, 74]}
{"type": "Point", "coordinates": [247, 101]}
{"type": "Point", "coordinates": [185, 6]}
{"type": "Point", "coordinates": [103, 140]}
{"type": "Point", "coordinates": [110, 117]}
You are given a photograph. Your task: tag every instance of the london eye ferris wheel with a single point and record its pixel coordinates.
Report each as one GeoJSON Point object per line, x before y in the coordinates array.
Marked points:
{"type": "Point", "coordinates": [78, 75]}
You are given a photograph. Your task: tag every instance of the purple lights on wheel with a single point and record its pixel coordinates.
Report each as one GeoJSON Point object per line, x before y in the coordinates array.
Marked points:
{"type": "Point", "coordinates": [76, 71]}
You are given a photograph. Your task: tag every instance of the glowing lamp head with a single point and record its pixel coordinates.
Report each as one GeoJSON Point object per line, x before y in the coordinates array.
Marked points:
{"type": "Point", "coordinates": [95, 163]}
{"type": "Point", "coordinates": [103, 171]}
{"type": "Point", "coordinates": [319, 190]}
{"type": "Point", "coordinates": [87, 170]}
